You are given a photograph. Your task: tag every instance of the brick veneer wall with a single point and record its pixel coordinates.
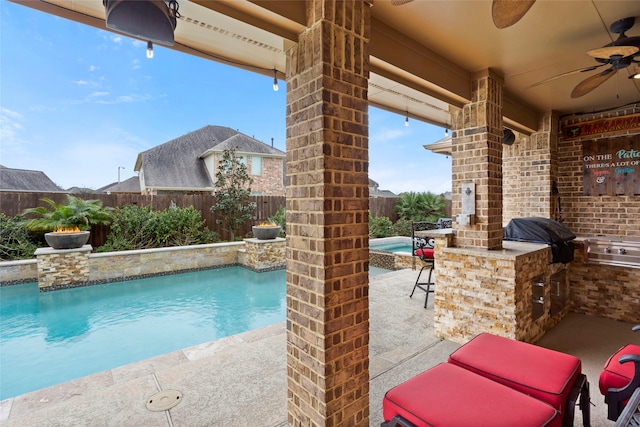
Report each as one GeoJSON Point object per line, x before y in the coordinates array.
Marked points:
{"type": "Point", "coordinates": [530, 167]}
{"type": "Point", "coordinates": [594, 215]}
{"type": "Point", "coordinates": [270, 182]}
{"type": "Point", "coordinates": [327, 214]}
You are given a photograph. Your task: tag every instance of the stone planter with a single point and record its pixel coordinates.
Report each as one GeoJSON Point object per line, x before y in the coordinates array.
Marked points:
{"type": "Point", "coordinates": [266, 232]}
{"type": "Point", "coordinates": [73, 240]}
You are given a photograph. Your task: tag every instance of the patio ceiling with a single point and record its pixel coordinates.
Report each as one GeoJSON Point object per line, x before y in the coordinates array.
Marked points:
{"type": "Point", "coordinates": [424, 54]}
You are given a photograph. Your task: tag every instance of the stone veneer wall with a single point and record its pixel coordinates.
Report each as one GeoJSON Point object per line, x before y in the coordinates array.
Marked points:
{"type": "Point", "coordinates": [491, 291]}
{"type": "Point", "coordinates": [604, 290]}
{"type": "Point", "coordinates": [262, 255]}
{"type": "Point", "coordinates": [62, 268]}
{"type": "Point", "coordinates": [15, 272]}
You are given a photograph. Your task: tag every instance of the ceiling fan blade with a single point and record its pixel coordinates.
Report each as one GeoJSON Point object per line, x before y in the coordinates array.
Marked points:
{"type": "Point", "coordinates": [590, 83]}
{"type": "Point", "coordinates": [507, 12]}
{"type": "Point", "coordinates": [568, 73]}
{"type": "Point", "coordinates": [608, 52]}
{"type": "Point", "coordinates": [400, 2]}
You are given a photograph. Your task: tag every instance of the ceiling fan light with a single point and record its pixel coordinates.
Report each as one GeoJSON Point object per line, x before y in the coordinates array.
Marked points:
{"type": "Point", "coordinates": [635, 76]}
{"type": "Point", "coordinates": [150, 20]}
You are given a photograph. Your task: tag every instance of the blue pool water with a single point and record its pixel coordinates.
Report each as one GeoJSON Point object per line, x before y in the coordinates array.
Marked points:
{"type": "Point", "coordinates": [393, 247]}
{"type": "Point", "coordinates": [53, 337]}
{"type": "Point", "coordinates": [49, 338]}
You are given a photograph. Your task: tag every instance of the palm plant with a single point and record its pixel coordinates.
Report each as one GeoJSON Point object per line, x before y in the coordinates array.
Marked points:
{"type": "Point", "coordinates": [73, 213]}
{"type": "Point", "coordinates": [420, 206]}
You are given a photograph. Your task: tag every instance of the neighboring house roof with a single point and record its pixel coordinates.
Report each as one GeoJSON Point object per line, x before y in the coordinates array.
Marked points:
{"type": "Point", "coordinates": [374, 190]}
{"type": "Point", "coordinates": [81, 190]}
{"type": "Point", "coordinates": [179, 163]}
{"type": "Point", "coordinates": [26, 180]}
{"type": "Point", "coordinates": [131, 185]}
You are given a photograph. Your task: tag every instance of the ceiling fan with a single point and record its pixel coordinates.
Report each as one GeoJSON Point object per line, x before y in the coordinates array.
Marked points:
{"type": "Point", "coordinates": [505, 13]}
{"type": "Point", "coordinates": [620, 54]}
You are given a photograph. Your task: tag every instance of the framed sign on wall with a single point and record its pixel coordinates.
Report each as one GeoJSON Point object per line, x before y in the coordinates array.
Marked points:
{"type": "Point", "coordinates": [611, 167]}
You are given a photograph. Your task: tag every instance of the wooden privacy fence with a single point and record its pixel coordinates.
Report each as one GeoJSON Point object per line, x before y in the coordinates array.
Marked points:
{"type": "Point", "coordinates": [266, 206]}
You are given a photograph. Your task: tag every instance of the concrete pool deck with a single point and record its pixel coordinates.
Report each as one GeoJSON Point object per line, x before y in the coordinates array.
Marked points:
{"type": "Point", "coordinates": [241, 380]}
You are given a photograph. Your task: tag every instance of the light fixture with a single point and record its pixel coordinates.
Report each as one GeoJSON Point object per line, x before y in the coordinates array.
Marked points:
{"type": "Point", "coordinates": [275, 80]}
{"type": "Point", "coordinates": [406, 120]}
{"type": "Point", "coordinates": [446, 132]}
{"type": "Point", "coordinates": [635, 75]}
{"type": "Point", "coordinates": [149, 50]}
{"type": "Point", "coordinates": [151, 20]}
{"type": "Point", "coordinates": [508, 137]}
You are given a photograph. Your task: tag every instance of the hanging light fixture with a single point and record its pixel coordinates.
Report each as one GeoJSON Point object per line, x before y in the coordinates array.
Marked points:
{"type": "Point", "coordinates": [406, 120]}
{"type": "Point", "coordinates": [275, 80]}
{"type": "Point", "coordinates": [149, 50]}
{"type": "Point", "coordinates": [151, 20]}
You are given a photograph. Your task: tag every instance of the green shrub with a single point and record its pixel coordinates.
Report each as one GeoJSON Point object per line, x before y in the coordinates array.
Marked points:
{"type": "Point", "coordinates": [15, 241]}
{"type": "Point", "coordinates": [279, 218]}
{"type": "Point", "coordinates": [402, 227]}
{"type": "Point", "coordinates": [136, 227]}
{"type": "Point", "coordinates": [380, 227]}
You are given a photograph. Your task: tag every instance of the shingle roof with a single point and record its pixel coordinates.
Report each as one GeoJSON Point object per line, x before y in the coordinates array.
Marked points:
{"type": "Point", "coordinates": [179, 164]}
{"type": "Point", "coordinates": [26, 180]}
{"type": "Point", "coordinates": [131, 185]}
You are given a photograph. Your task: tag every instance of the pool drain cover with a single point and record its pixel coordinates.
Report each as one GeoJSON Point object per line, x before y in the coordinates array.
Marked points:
{"type": "Point", "coordinates": [164, 400]}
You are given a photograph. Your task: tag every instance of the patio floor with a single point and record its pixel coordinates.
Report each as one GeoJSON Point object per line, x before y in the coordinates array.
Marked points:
{"type": "Point", "coordinates": [241, 380]}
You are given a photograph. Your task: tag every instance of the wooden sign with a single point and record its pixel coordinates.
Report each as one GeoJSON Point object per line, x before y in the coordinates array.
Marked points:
{"type": "Point", "coordinates": [611, 167]}
{"type": "Point", "coordinates": [603, 126]}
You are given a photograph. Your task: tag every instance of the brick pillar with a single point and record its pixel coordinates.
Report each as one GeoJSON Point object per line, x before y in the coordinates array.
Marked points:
{"type": "Point", "coordinates": [327, 217]}
{"type": "Point", "coordinates": [477, 158]}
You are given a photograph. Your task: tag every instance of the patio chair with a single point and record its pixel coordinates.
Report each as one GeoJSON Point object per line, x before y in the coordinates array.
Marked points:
{"type": "Point", "coordinates": [620, 378]}
{"type": "Point", "coordinates": [423, 249]}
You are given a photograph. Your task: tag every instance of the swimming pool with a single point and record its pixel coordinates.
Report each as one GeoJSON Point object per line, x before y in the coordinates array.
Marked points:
{"type": "Point", "coordinates": [393, 247]}
{"type": "Point", "coordinates": [53, 337]}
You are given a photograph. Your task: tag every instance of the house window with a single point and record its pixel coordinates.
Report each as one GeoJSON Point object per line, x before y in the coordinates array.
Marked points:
{"type": "Point", "coordinates": [256, 165]}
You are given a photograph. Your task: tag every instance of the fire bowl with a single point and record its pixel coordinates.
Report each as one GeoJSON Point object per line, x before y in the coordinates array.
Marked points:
{"type": "Point", "coordinates": [73, 240]}
{"type": "Point", "coordinates": [266, 232]}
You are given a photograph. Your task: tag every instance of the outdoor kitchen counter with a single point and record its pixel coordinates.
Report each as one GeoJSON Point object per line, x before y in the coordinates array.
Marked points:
{"type": "Point", "coordinates": [510, 250]}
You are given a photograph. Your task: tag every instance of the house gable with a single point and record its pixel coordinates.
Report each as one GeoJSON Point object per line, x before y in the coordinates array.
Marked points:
{"type": "Point", "coordinates": [27, 181]}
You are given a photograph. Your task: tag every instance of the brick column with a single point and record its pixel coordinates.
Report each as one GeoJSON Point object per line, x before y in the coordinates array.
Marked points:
{"type": "Point", "coordinates": [327, 217]}
{"type": "Point", "coordinates": [477, 158]}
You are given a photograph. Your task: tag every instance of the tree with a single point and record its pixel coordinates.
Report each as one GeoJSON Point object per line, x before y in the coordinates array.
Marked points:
{"type": "Point", "coordinates": [232, 191]}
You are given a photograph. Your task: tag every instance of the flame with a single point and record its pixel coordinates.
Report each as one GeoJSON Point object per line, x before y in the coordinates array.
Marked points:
{"type": "Point", "coordinates": [73, 229]}
{"type": "Point", "coordinates": [267, 224]}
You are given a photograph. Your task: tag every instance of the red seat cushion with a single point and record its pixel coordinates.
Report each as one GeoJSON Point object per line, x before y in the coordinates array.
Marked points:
{"type": "Point", "coordinates": [425, 253]}
{"type": "Point", "coordinates": [544, 374]}
{"type": "Point", "coordinates": [616, 374]}
{"type": "Point", "coordinates": [447, 395]}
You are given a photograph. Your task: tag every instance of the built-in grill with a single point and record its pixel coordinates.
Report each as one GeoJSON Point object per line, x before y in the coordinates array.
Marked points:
{"type": "Point", "coordinates": [624, 252]}
{"type": "Point", "coordinates": [543, 230]}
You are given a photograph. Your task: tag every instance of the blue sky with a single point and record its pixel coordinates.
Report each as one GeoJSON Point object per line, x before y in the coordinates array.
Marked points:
{"type": "Point", "coordinates": [77, 103]}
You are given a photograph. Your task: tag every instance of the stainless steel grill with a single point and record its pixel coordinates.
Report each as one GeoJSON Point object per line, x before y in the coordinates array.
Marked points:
{"type": "Point", "coordinates": [624, 252]}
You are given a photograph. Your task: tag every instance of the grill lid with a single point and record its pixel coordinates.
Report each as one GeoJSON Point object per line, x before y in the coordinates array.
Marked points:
{"type": "Point", "coordinates": [537, 230]}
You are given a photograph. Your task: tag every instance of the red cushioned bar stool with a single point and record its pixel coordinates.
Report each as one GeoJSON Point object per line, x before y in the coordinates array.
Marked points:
{"type": "Point", "coordinates": [448, 395]}
{"type": "Point", "coordinates": [423, 248]}
{"type": "Point", "coordinates": [620, 378]}
{"type": "Point", "coordinates": [547, 375]}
